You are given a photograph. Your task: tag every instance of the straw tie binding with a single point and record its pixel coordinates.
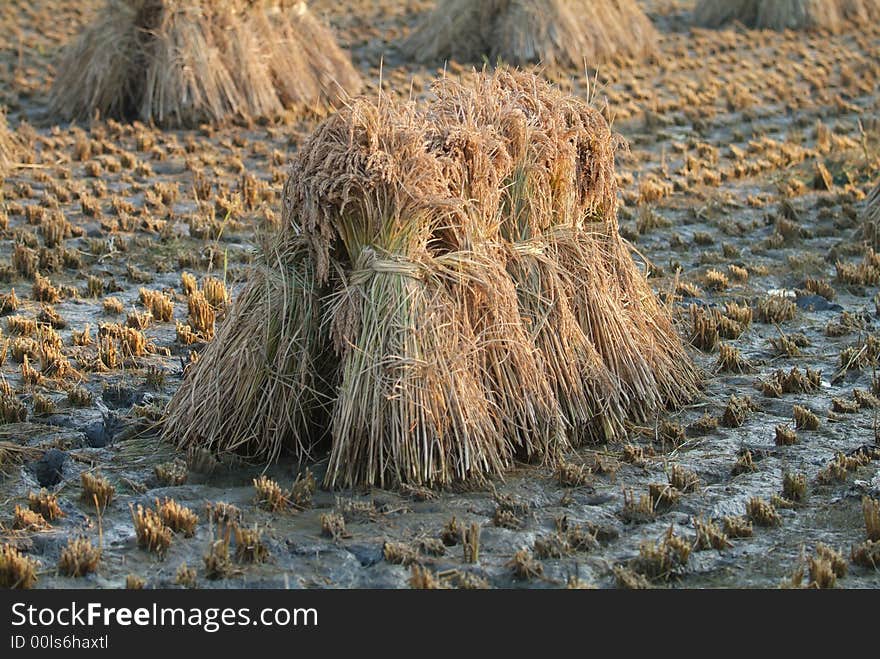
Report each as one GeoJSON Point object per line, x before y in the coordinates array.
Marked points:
{"type": "Point", "coordinates": [368, 264]}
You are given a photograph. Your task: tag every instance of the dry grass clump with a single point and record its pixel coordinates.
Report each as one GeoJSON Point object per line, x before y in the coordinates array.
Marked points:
{"type": "Point", "coordinates": [151, 532]}
{"type": "Point", "coordinates": [422, 578]}
{"type": "Point", "coordinates": [96, 489]}
{"type": "Point", "coordinates": [804, 419]}
{"type": "Point", "coordinates": [524, 566]}
{"type": "Point", "coordinates": [744, 463]}
{"type": "Point", "coordinates": [249, 547]}
{"type": "Point", "coordinates": [785, 436]}
{"type": "Point", "coordinates": [866, 554]}
{"type": "Point", "coordinates": [794, 487]}
{"type": "Point", "coordinates": [775, 309]}
{"type": "Point", "coordinates": [16, 570]}
{"type": "Point", "coordinates": [629, 579]}
{"type": "Point", "coordinates": [185, 576]}
{"type": "Point", "coordinates": [637, 510]}
{"type": "Point", "coordinates": [134, 582]}
{"type": "Point", "coordinates": [46, 504]}
{"type": "Point", "coordinates": [222, 512]}
{"type": "Point", "coordinates": [570, 474]}
{"type": "Point", "coordinates": [112, 305]}
{"type": "Point", "coordinates": [843, 406]}
{"type": "Point", "coordinates": [834, 558]}
{"type": "Point", "coordinates": [820, 287]}
{"type": "Point", "coordinates": [663, 496]}
{"type": "Point", "coordinates": [400, 553]}
{"type": "Point", "coordinates": [762, 513]}
{"type": "Point", "coordinates": [705, 334]}
{"type": "Point", "coordinates": [450, 534]}
{"type": "Point", "coordinates": [218, 565]}
{"type": "Point", "coordinates": [13, 454]}
{"type": "Point", "coordinates": [683, 479]}
{"type": "Point", "coordinates": [79, 558]}
{"type": "Point", "coordinates": [737, 527]}
{"type": "Point", "coordinates": [704, 425]}
{"type": "Point", "coordinates": [554, 32]}
{"type": "Point", "coordinates": [737, 411]}
{"type": "Point", "coordinates": [794, 381]}
{"type": "Point", "coordinates": [12, 410]}
{"type": "Point", "coordinates": [839, 467]}
{"type": "Point", "coordinates": [442, 312]}
{"type": "Point", "coordinates": [470, 543]}
{"type": "Point", "coordinates": [671, 434]}
{"type": "Point", "coordinates": [821, 573]}
{"type": "Point", "coordinates": [182, 63]}
{"type": "Point", "coordinates": [9, 302]}
{"type": "Point", "coordinates": [179, 519]}
{"type": "Point", "coordinates": [710, 535]}
{"type": "Point", "coordinates": [159, 305]}
{"type": "Point", "coordinates": [302, 490]}
{"type": "Point", "coordinates": [171, 473]}
{"type": "Point", "coordinates": [333, 526]}
{"type": "Point", "coordinates": [716, 280]}
{"type": "Point", "coordinates": [25, 519]}
{"type": "Point", "coordinates": [829, 15]}
{"type": "Point", "coordinates": [660, 561]}
{"type": "Point", "coordinates": [269, 495]}
{"type": "Point", "coordinates": [202, 316]}
{"type": "Point", "coordinates": [730, 360]}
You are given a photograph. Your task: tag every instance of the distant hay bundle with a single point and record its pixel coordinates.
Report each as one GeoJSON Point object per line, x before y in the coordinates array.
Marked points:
{"type": "Point", "coordinates": [563, 32]}
{"type": "Point", "coordinates": [181, 62]}
{"type": "Point", "coordinates": [478, 302]}
{"type": "Point", "coordinates": [786, 14]}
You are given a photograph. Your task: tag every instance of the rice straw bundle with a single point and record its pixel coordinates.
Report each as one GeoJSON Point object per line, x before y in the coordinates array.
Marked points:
{"type": "Point", "coordinates": [258, 387]}
{"type": "Point", "coordinates": [559, 195]}
{"type": "Point", "coordinates": [786, 14]}
{"type": "Point", "coordinates": [181, 62]}
{"type": "Point", "coordinates": [374, 202]}
{"type": "Point", "coordinates": [563, 32]}
{"type": "Point", "coordinates": [470, 278]}
{"type": "Point", "coordinates": [8, 146]}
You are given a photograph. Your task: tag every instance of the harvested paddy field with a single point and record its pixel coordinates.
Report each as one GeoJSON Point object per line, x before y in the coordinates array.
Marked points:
{"type": "Point", "coordinates": [745, 194]}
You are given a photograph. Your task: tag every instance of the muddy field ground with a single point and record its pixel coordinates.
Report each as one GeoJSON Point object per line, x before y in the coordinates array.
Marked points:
{"type": "Point", "coordinates": [750, 157]}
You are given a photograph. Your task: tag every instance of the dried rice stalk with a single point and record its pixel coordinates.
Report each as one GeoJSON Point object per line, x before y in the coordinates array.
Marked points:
{"type": "Point", "coordinates": [8, 146]}
{"type": "Point", "coordinates": [257, 389]}
{"type": "Point", "coordinates": [181, 62]}
{"type": "Point", "coordinates": [786, 14]}
{"type": "Point", "coordinates": [563, 32]}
